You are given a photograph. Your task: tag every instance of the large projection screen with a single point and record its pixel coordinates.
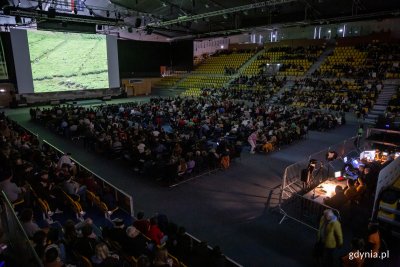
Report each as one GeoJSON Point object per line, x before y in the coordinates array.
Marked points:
{"type": "Point", "coordinates": [61, 61]}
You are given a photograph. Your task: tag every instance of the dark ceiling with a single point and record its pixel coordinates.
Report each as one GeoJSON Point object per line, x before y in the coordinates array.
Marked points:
{"type": "Point", "coordinates": [296, 11]}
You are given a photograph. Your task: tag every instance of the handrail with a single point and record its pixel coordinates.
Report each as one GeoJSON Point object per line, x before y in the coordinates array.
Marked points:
{"type": "Point", "coordinates": [285, 214]}
{"type": "Point", "coordinates": [83, 166]}
{"type": "Point", "coordinates": [14, 215]}
{"type": "Point", "coordinates": [131, 211]}
{"type": "Point", "coordinates": [209, 247]}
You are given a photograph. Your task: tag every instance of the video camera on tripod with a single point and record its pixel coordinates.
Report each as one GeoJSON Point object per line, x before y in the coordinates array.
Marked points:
{"type": "Point", "coordinates": [307, 174]}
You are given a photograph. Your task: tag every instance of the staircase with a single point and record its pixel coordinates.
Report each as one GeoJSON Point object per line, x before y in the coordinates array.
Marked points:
{"type": "Point", "coordinates": [274, 99]}
{"type": "Point", "coordinates": [329, 49]}
{"type": "Point", "coordinates": [244, 66]}
{"type": "Point", "coordinates": [381, 104]}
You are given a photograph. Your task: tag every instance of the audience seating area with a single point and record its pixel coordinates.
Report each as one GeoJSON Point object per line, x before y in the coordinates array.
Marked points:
{"type": "Point", "coordinates": [72, 217]}
{"type": "Point", "coordinates": [194, 83]}
{"type": "Point", "coordinates": [336, 95]}
{"type": "Point", "coordinates": [258, 82]}
{"type": "Point", "coordinates": [373, 60]}
{"type": "Point", "coordinates": [224, 62]}
{"type": "Point", "coordinates": [384, 60]}
{"type": "Point", "coordinates": [293, 61]}
{"type": "Point", "coordinates": [394, 103]}
{"type": "Point", "coordinates": [345, 62]}
{"type": "Point", "coordinates": [167, 81]}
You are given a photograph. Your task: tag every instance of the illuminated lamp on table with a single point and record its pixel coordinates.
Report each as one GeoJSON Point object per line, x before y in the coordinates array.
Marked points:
{"type": "Point", "coordinates": [329, 189]}
{"type": "Point", "coordinates": [338, 176]}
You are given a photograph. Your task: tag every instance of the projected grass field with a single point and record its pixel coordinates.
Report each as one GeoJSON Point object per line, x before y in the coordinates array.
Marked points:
{"type": "Point", "coordinates": [67, 61]}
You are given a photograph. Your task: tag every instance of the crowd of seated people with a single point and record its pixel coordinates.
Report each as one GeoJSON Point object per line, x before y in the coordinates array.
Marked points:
{"type": "Point", "coordinates": [31, 173]}
{"type": "Point", "coordinates": [170, 138]}
{"type": "Point", "coordinates": [394, 104]}
{"type": "Point", "coordinates": [252, 95]}
{"type": "Point", "coordinates": [361, 190]}
{"type": "Point", "coordinates": [261, 79]}
{"type": "Point", "coordinates": [333, 95]}
{"type": "Point", "coordinates": [309, 53]}
{"type": "Point", "coordinates": [381, 58]}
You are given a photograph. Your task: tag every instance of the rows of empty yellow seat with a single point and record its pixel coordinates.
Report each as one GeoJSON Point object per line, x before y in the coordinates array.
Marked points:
{"type": "Point", "coordinates": [392, 75]}
{"type": "Point", "coordinates": [280, 58]}
{"type": "Point", "coordinates": [217, 64]}
{"type": "Point", "coordinates": [167, 81]}
{"type": "Point", "coordinates": [346, 56]}
{"type": "Point", "coordinates": [198, 81]}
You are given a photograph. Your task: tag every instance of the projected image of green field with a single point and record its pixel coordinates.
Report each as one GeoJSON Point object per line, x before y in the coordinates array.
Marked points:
{"type": "Point", "coordinates": [67, 61]}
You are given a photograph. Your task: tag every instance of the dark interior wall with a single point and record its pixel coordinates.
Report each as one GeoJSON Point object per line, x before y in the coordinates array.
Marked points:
{"type": "Point", "coordinates": [141, 59]}
{"type": "Point", "coordinates": [182, 55]}
{"type": "Point", "coordinates": [8, 54]}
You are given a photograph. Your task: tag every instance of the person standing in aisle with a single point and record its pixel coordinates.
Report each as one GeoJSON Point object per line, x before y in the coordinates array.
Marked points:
{"type": "Point", "coordinates": [330, 238]}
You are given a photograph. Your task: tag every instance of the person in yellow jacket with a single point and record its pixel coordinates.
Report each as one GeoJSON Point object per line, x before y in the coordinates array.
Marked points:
{"type": "Point", "coordinates": [330, 237]}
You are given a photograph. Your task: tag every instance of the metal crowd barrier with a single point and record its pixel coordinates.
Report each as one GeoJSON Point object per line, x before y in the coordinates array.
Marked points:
{"type": "Point", "coordinates": [292, 188]}
{"type": "Point", "coordinates": [19, 246]}
{"type": "Point", "coordinates": [303, 210]}
{"type": "Point", "coordinates": [228, 261]}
